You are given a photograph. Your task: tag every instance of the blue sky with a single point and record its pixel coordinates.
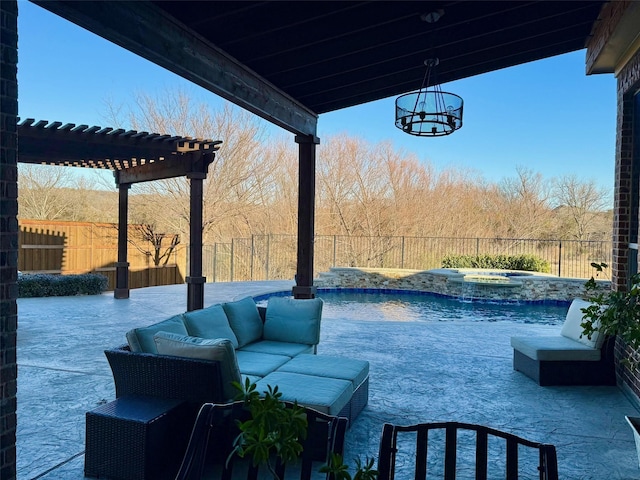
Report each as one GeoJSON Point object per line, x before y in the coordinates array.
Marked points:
{"type": "Point", "coordinates": [547, 116]}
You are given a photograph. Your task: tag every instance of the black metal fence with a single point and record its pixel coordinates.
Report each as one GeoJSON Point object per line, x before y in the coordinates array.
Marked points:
{"type": "Point", "coordinates": [273, 257]}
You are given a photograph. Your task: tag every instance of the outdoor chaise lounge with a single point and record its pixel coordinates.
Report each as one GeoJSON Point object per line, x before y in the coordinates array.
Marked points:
{"type": "Point", "coordinates": [569, 358]}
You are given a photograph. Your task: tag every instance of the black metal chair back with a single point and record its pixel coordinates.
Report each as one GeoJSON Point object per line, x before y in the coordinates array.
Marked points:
{"type": "Point", "coordinates": [216, 427]}
{"type": "Point", "coordinates": [466, 447]}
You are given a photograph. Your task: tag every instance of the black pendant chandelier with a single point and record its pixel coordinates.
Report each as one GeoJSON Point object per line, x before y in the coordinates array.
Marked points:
{"type": "Point", "coordinates": [429, 112]}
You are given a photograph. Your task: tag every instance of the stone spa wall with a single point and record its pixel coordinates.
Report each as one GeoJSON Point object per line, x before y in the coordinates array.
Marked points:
{"type": "Point", "coordinates": [470, 284]}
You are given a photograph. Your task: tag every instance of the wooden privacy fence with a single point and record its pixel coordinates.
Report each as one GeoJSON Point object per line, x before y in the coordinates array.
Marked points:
{"type": "Point", "coordinates": [273, 257]}
{"type": "Point", "coordinates": [58, 247]}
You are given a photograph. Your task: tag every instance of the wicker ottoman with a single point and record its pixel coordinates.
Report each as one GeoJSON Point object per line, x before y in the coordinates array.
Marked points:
{"type": "Point", "coordinates": [136, 438]}
{"type": "Point", "coordinates": [352, 370]}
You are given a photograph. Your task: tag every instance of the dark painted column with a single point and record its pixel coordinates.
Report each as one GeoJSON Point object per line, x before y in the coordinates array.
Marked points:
{"type": "Point", "coordinates": [122, 265]}
{"type": "Point", "coordinates": [8, 236]}
{"type": "Point", "coordinates": [195, 280]}
{"type": "Point", "coordinates": [306, 211]}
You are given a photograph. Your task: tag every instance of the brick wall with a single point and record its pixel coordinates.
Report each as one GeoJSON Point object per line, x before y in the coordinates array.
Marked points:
{"type": "Point", "coordinates": [8, 235]}
{"type": "Point", "coordinates": [622, 192]}
{"type": "Point", "coordinates": [628, 85]}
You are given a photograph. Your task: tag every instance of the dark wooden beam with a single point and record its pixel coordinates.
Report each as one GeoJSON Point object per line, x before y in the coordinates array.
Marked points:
{"type": "Point", "coordinates": [177, 166]}
{"type": "Point", "coordinates": [306, 211]}
{"type": "Point", "coordinates": [122, 265]}
{"type": "Point", "coordinates": [141, 27]}
{"type": "Point", "coordinates": [195, 280]}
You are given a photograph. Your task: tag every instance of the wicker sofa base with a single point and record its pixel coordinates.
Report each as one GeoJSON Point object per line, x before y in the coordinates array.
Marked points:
{"type": "Point", "coordinates": [172, 377]}
{"type": "Point", "coordinates": [567, 372]}
{"type": "Point", "coordinates": [358, 401]}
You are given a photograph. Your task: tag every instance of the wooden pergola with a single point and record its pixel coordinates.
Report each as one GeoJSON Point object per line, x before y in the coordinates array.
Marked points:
{"type": "Point", "coordinates": [133, 157]}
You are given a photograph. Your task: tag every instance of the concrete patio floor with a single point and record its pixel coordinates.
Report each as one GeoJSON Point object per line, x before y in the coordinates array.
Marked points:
{"type": "Point", "coordinates": [419, 373]}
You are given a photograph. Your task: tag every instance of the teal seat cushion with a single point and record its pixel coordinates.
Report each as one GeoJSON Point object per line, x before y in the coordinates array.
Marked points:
{"type": "Point", "coordinates": [278, 348]}
{"type": "Point", "coordinates": [356, 371]}
{"type": "Point", "coordinates": [141, 339]}
{"type": "Point", "coordinates": [219, 350]}
{"type": "Point", "coordinates": [244, 320]}
{"type": "Point", "coordinates": [260, 364]}
{"type": "Point", "coordinates": [210, 322]}
{"type": "Point", "coordinates": [293, 320]}
{"type": "Point", "coordinates": [327, 395]}
{"type": "Point", "coordinates": [554, 348]}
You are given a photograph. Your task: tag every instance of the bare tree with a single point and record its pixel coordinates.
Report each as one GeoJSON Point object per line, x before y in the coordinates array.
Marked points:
{"type": "Point", "coordinates": [159, 251]}
{"type": "Point", "coordinates": [148, 231]}
{"type": "Point", "coordinates": [362, 189]}
{"type": "Point", "coordinates": [335, 188]}
{"type": "Point", "coordinates": [453, 205]}
{"type": "Point", "coordinates": [580, 206]}
{"type": "Point", "coordinates": [410, 183]}
{"type": "Point", "coordinates": [520, 206]}
{"type": "Point", "coordinates": [238, 177]}
{"type": "Point", "coordinates": [48, 192]}
{"type": "Point", "coordinates": [278, 211]}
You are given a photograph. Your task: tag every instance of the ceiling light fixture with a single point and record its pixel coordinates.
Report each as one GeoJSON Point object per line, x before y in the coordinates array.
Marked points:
{"type": "Point", "coordinates": [429, 112]}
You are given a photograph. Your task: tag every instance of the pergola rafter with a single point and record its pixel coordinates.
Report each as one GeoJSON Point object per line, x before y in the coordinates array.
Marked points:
{"type": "Point", "coordinates": [51, 143]}
{"type": "Point", "coordinates": [133, 157]}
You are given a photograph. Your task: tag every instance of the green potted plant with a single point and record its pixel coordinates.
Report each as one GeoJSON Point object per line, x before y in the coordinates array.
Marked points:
{"type": "Point", "coordinates": [616, 313]}
{"type": "Point", "coordinates": [339, 471]}
{"type": "Point", "coordinates": [613, 313]}
{"type": "Point", "coordinates": [274, 432]}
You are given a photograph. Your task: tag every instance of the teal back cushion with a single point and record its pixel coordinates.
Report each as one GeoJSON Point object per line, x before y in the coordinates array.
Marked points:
{"type": "Point", "coordinates": [141, 339]}
{"type": "Point", "coordinates": [219, 350]}
{"type": "Point", "coordinates": [245, 320]}
{"type": "Point", "coordinates": [210, 322]}
{"type": "Point", "coordinates": [293, 320]}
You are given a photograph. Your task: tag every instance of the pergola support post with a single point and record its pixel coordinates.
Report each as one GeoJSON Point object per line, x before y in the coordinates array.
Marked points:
{"type": "Point", "coordinates": [306, 212]}
{"type": "Point", "coordinates": [195, 280]}
{"type": "Point", "coordinates": [122, 265]}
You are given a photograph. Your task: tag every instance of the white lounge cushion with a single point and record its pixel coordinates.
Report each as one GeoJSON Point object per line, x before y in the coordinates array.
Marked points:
{"type": "Point", "coordinates": [571, 327]}
{"type": "Point", "coordinates": [220, 350]}
{"type": "Point", "coordinates": [554, 348]}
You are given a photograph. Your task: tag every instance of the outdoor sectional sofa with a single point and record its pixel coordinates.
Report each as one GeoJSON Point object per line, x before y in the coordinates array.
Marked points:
{"type": "Point", "coordinates": [196, 355]}
{"type": "Point", "coordinates": [169, 369]}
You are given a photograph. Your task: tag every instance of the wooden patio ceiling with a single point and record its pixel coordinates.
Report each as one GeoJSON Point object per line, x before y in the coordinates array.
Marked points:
{"type": "Point", "coordinates": [289, 61]}
{"type": "Point", "coordinates": [133, 156]}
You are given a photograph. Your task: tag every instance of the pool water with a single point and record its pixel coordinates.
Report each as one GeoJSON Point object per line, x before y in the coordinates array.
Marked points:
{"type": "Point", "coordinates": [412, 307]}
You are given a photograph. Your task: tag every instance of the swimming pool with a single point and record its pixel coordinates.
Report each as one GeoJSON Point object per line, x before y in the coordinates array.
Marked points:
{"type": "Point", "coordinates": [409, 306]}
